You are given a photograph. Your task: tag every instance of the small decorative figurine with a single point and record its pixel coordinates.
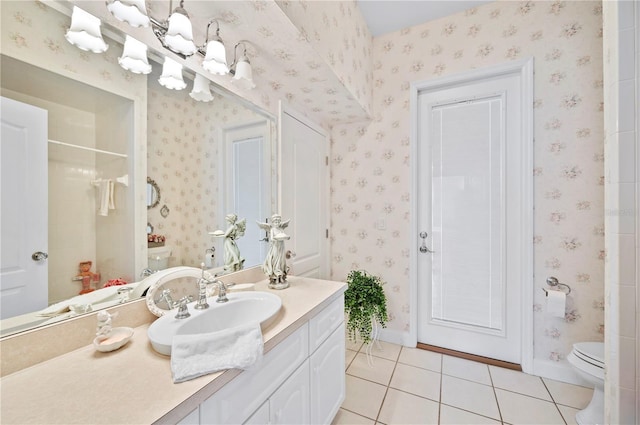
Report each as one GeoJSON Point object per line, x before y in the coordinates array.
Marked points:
{"type": "Point", "coordinates": [87, 276]}
{"type": "Point", "coordinates": [232, 259]}
{"type": "Point", "coordinates": [104, 323]}
{"type": "Point", "coordinates": [108, 338]}
{"type": "Point", "coordinates": [275, 264]}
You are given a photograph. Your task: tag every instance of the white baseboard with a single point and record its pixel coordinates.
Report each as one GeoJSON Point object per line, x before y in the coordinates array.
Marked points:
{"type": "Point", "coordinates": [395, 337]}
{"type": "Point", "coordinates": [559, 371]}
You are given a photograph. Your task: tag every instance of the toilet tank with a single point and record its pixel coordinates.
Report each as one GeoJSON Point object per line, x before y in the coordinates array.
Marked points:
{"type": "Point", "coordinates": [158, 257]}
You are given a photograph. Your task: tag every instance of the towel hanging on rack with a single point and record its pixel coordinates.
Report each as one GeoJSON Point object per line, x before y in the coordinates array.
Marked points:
{"type": "Point", "coordinates": [106, 193]}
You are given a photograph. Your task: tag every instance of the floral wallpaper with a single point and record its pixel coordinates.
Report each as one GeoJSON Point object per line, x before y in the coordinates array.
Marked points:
{"type": "Point", "coordinates": [370, 160]}
{"type": "Point", "coordinates": [285, 68]}
{"type": "Point", "coordinates": [346, 48]}
{"type": "Point", "coordinates": [184, 159]}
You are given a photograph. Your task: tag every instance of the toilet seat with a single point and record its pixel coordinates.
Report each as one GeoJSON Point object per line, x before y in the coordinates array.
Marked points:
{"type": "Point", "coordinates": [590, 352]}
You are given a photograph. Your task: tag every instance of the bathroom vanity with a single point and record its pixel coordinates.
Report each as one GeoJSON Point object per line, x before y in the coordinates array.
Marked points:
{"type": "Point", "coordinates": [300, 379]}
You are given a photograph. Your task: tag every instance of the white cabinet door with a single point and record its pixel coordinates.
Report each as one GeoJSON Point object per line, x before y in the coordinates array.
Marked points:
{"type": "Point", "coordinates": [327, 378]}
{"type": "Point", "coordinates": [260, 416]}
{"type": "Point", "coordinates": [290, 403]}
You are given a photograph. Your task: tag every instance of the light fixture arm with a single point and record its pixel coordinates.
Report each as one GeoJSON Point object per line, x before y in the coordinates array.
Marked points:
{"type": "Point", "coordinates": [217, 30]}
{"type": "Point", "coordinates": [235, 55]}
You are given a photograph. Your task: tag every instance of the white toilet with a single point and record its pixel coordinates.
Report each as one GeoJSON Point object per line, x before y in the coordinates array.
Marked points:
{"type": "Point", "coordinates": [158, 257]}
{"type": "Point", "coordinates": [587, 359]}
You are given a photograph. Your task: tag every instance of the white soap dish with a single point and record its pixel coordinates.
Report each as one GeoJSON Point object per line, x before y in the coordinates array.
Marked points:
{"type": "Point", "coordinates": [117, 338]}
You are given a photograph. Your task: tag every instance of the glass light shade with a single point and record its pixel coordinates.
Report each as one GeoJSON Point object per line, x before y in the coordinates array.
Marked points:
{"type": "Point", "coordinates": [179, 35]}
{"type": "Point", "coordinates": [215, 59]}
{"type": "Point", "coordinates": [244, 76]}
{"type": "Point", "coordinates": [84, 32]}
{"type": "Point", "coordinates": [134, 56]}
{"type": "Point", "coordinates": [133, 12]}
{"type": "Point", "coordinates": [201, 90]}
{"type": "Point", "coordinates": [171, 77]}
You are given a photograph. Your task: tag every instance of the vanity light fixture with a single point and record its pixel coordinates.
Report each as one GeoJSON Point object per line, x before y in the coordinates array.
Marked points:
{"type": "Point", "coordinates": [176, 34]}
{"type": "Point", "coordinates": [133, 12]}
{"type": "Point", "coordinates": [215, 55]}
{"type": "Point", "coordinates": [241, 68]}
{"type": "Point", "coordinates": [134, 56]}
{"type": "Point", "coordinates": [201, 90]}
{"type": "Point", "coordinates": [84, 32]}
{"type": "Point", "coordinates": [171, 77]}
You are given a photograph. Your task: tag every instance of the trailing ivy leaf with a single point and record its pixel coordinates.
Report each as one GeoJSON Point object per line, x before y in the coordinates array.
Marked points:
{"type": "Point", "coordinates": [364, 301]}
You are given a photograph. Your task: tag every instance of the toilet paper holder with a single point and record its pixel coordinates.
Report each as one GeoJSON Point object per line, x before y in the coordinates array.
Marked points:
{"type": "Point", "coordinates": [553, 282]}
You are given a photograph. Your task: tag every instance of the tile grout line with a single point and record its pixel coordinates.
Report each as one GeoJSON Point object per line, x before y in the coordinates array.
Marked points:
{"type": "Point", "coordinates": [554, 401]}
{"type": "Point", "coordinates": [495, 395]}
{"type": "Point", "coordinates": [440, 393]}
{"type": "Point", "coordinates": [388, 385]}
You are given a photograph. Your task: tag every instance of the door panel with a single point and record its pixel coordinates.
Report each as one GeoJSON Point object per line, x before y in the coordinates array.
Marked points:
{"type": "Point", "coordinates": [470, 177]}
{"type": "Point", "coordinates": [248, 185]}
{"type": "Point", "coordinates": [304, 195]}
{"type": "Point", "coordinates": [23, 157]}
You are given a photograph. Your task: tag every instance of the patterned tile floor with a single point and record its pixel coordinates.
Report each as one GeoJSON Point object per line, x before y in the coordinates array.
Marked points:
{"type": "Point", "coordinates": [413, 386]}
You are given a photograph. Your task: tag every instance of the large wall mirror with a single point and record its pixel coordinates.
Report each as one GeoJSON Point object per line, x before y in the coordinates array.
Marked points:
{"type": "Point", "coordinates": [205, 159]}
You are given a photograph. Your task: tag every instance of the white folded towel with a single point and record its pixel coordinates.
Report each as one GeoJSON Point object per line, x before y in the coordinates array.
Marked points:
{"type": "Point", "coordinates": [103, 187]}
{"type": "Point", "coordinates": [107, 189]}
{"type": "Point", "coordinates": [196, 355]}
{"type": "Point", "coordinates": [112, 191]}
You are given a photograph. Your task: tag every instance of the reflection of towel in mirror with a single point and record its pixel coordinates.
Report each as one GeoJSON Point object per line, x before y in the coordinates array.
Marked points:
{"type": "Point", "coordinates": [107, 203]}
{"type": "Point", "coordinates": [196, 355]}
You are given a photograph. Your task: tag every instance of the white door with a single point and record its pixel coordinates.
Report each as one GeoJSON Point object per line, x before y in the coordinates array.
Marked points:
{"type": "Point", "coordinates": [248, 185]}
{"type": "Point", "coordinates": [23, 156]}
{"type": "Point", "coordinates": [471, 177]}
{"type": "Point", "coordinates": [303, 194]}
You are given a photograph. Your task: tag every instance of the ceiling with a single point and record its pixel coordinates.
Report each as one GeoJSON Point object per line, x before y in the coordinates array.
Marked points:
{"type": "Point", "coordinates": [385, 16]}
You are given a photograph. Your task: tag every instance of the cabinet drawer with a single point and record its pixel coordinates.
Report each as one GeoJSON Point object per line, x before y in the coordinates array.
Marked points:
{"type": "Point", "coordinates": [235, 402]}
{"type": "Point", "coordinates": [322, 325]}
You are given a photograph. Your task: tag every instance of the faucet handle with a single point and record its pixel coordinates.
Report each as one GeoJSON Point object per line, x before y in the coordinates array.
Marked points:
{"type": "Point", "coordinates": [183, 310]}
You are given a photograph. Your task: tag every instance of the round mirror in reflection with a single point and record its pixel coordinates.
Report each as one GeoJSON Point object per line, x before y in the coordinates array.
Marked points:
{"type": "Point", "coordinates": [153, 193]}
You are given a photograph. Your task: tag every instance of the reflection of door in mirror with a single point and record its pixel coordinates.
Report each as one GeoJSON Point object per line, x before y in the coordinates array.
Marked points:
{"type": "Point", "coordinates": [303, 178]}
{"type": "Point", "coordinates": [90, 214]}
{"type": "Point", "coordinates": [247, 183]}
{"type": "Point", "coordinates": [23, 150]}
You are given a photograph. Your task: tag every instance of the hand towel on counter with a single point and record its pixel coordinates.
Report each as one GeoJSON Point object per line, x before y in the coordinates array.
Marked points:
{"type": "Point", "coordinates": [196, 355]}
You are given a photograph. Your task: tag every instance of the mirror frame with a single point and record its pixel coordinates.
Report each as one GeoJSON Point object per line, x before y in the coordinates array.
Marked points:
{"type": "Point", "coordinates": [157, 189]}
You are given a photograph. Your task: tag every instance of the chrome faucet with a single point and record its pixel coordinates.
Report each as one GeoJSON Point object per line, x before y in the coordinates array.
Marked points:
{"type": "Point", "coordinates": [202, 291]}
{"type": "Point", "coordinates": [146, 272]}
{"type": "Point", "coordinates": [165, 296]}
{"type": "Point", "coordinates": [222, 292]}
{"type": "Point", "coordinates": [183, 310]}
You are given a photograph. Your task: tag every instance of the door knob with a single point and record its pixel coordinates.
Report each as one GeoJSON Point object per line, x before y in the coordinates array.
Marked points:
{"type": "Point", "coordinates": [290, 254]}
{"type": "Point", "coordinates": [39, 256]}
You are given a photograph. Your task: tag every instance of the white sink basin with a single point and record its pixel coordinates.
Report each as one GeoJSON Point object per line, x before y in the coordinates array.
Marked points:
{"type": "Point", "coordinates": [241, 309]}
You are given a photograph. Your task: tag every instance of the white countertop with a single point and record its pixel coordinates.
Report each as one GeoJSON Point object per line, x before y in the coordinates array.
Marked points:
{"type": "Point", "coordinates": [134, 384]}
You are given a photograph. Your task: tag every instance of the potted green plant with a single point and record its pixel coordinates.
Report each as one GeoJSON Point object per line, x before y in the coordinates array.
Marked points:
{"type": "Point", "coordinates": [365, 303]}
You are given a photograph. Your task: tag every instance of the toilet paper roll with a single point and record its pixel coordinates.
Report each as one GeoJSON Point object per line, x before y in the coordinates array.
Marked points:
{"type": "Point", "coordinates": [556, 303]}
